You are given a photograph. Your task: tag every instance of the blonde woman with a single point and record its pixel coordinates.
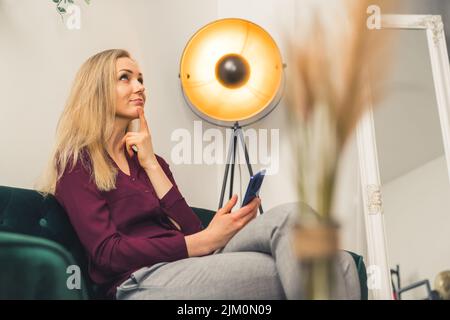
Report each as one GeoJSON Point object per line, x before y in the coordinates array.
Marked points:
{"type": "Point", "coordinates": [142, 239]}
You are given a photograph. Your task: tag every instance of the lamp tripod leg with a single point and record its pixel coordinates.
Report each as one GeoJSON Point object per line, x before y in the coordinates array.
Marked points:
{"type": "Point", "coordinates": [227, 167]}
{"type": "Point", "coordinates": [233, 164]}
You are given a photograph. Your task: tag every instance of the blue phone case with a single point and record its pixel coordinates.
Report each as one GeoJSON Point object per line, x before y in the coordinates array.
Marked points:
{"type": "Point", "coordinates": [253, 187]}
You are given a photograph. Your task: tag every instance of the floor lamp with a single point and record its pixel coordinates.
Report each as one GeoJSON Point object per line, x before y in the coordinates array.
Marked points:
{"type": "Point", "coordinates": [232, 76]}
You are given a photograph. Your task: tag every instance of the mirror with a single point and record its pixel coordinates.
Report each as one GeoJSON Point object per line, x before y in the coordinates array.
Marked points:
{"type": "Point", "coordinates": [415, 186]}
{"type": "Point", "coordinates": [403, 148]}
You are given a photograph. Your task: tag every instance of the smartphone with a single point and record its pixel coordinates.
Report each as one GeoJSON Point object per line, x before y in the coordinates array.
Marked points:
{"type": "Point", "coordinates": [253, 187]}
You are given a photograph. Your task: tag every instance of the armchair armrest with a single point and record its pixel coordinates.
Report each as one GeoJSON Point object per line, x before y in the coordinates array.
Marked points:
{"type": "Point", "coordinates": [35, 268]}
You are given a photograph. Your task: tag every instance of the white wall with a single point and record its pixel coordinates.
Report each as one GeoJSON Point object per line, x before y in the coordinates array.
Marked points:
{"type": "Point", "coordinates": [42, 56]}
{"type": "Point", "coordinates": [416, 210]}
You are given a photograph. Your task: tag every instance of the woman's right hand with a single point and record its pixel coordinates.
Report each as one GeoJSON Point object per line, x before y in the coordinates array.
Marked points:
{"type": "Point", "coordinates": [226, 224]}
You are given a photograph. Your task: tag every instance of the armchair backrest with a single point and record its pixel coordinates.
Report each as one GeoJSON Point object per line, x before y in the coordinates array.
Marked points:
{"type": "Point", "coordinates": [27, 212]}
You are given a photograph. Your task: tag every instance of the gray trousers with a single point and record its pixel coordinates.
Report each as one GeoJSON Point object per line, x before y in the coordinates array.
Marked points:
{"type": "Point", "coordinates": [258, 263]}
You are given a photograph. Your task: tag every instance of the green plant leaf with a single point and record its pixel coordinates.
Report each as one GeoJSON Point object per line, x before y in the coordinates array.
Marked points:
{"type": "Point", "coordinates": [55, 1]}
{"type": "Point", "coordinates": [62, 10]}
{"type": "Point", "coordinates": [70, 1]}
{"type": "Point", "coordinates": [87, 1]}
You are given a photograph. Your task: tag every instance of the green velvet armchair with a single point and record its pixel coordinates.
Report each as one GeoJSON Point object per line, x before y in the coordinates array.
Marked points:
{"type": "Point", "coordinates": [38, 245]}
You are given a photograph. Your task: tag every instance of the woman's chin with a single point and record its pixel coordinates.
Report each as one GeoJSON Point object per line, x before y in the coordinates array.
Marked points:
{"type": "Point", "coordinates": [130, 115]}
{"type": "Point", "coordinates": [136, 109]}
{"type": "Point", "coordinates": [134, 112]}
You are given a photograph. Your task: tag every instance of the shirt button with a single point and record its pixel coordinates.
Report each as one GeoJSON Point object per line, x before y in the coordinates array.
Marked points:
{"type": "Point", "coordinates": [133, 179]}
{"type": "Point", "coordinates": [146, 190]}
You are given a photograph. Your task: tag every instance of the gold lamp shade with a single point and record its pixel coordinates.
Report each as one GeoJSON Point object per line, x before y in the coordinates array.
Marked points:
{"type": "Point", "coordinates": [231, 70]}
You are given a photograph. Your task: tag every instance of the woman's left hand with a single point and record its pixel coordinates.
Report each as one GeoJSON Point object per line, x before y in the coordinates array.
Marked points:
{"type": "Point", "coordinates": [143, 141]}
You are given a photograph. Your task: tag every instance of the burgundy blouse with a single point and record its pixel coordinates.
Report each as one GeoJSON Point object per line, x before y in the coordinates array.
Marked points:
{"type": "Point", "coordinates": [127, 228]}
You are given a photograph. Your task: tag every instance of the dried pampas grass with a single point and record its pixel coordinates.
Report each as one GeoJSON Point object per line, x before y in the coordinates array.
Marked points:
{"type": "Point", "coordinates": [331, 69]}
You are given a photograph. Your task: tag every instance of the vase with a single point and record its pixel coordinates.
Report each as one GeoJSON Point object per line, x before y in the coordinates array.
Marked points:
{"type": "Point", "coordinates": [315, 244]}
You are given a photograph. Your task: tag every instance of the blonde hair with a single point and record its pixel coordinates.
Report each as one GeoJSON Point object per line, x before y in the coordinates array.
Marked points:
{"type": "Point", "coordinates": [86, 124]}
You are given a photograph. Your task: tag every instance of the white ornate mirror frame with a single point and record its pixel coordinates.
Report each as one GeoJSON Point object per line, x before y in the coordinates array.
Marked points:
{"type": "Point", "coordinates": [379, 278]}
